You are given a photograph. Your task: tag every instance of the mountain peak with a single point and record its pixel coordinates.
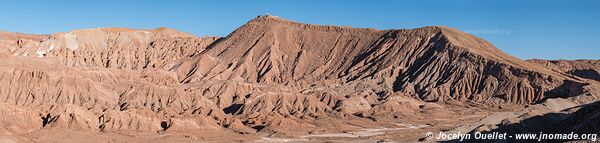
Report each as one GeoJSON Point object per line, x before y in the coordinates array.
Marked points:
{"type": "Point", "coordinates": [270, 49]}
{"type": "Point", "coordinates": [268, 16]}
{"type": "Point", "coordinates": [270, 19]}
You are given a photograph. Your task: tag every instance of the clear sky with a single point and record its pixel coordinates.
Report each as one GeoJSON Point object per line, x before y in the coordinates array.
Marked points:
{"type": "Point", "coordinates": [548, 29]}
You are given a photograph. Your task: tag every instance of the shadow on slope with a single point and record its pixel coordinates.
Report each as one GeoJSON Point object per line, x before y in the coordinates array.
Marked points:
{"type": "Point", "coordinates": [586, 120]}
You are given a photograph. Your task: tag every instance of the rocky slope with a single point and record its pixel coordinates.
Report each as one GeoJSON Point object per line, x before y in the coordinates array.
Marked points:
{"type": "Point", "coordinates": [585, 120]}
{"type": "Point", "coordinates": [269, 78]}
{"type": "Point", "coordinates": [114, 47]}
{"type": "Point", "coordinates": [108, 80]}
{"type": "Point", "coordinates": [433, 63]}
{"type": "Point", "coordinates": [9, 40]}
{"type": "Point", "coordinates": [587, 69]}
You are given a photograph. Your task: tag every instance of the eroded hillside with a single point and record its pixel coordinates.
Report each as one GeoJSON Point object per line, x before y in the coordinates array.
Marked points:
{"type": "Point", "coordinates": [270, 80]}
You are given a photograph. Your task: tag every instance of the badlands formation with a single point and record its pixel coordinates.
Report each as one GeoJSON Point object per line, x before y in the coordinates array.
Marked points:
{"type": "Point", "coordinates": [276, 80]}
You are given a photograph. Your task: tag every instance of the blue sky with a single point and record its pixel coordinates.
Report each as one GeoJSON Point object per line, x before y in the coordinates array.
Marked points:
{"type": "Point", "coordinates": [548, 29]}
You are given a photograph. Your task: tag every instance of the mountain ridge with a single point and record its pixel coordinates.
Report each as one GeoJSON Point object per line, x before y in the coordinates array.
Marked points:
{"type": "Point", "coordinates": [274, 80]}
{"type": "Point", "coordinates": [277, 40]}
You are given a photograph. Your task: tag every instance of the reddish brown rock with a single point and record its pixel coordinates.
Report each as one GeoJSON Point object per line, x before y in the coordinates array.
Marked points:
{"type": "Point", "coordinates": [269, 78]}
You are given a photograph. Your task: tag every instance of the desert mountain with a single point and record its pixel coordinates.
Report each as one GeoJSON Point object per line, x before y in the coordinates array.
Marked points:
{"type": "Point", "coordinates": [433, 63]}
{"type": "Point", "coordinates": [12, 36]}
{"type": "Point", "coordinates": [114, 47]}
{"type": "Point", "coordinates": [269, 78]}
